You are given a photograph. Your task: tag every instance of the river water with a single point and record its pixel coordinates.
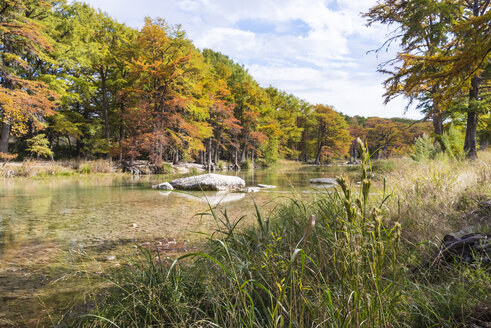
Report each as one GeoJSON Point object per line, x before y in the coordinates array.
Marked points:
{"type": "Point", "coordinates": [54, 231]}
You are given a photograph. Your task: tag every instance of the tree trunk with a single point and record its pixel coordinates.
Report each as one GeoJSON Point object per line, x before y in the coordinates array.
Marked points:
{"type": "Point", "coordinates": [236, 165]}
{"type": "Point", "coordinates": [244, 153]}
{"type": "Point", "coordinates": [354, 153]}
{"type": "Point", "coordinates": [217, 150]}
{"type": "Point", "coordinates": [303, 145]}
{"type": "Point", "coordinates": [438, 125]}
{"type": "Point", "coordinates": [176, 157]}
{"type": "Point", "coordinates": [4, 138]}
{"type": "Point", "coordinates": [104, 104]}
{"type": "Point", "coordinates": [470, 145]}
{"type": "Point", "coordinates": [121, 132]}
{"type": "Point", "coordinates": [318, 156]}
{"type": "Point", "coordinates": [209, 155]}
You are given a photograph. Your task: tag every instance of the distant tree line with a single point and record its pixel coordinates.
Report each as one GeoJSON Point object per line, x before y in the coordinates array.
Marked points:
{"type": "Point", "coordinates": [75, 83]}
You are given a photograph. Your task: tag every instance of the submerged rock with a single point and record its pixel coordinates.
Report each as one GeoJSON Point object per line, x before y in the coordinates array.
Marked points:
{"type": "Point", "coordinates": [327, 181]}
{"type": "Point", "coordinates": [209, 182]}
{"type": "Point", "coordinates": [264, 186]}
{"type": "Point", "coordinates": [163, 186]}
{"type": "Point", "coordinates": [250, 189]}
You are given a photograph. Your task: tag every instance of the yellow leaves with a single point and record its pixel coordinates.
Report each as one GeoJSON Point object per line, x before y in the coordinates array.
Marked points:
{"type": "Point", "coordinates": [14, 59]}
{"type": "Point", "coordinates": [272, 129]}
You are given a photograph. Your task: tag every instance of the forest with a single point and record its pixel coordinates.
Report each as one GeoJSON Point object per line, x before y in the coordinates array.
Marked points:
{"type": "Point", "coordinates": [76, 83]}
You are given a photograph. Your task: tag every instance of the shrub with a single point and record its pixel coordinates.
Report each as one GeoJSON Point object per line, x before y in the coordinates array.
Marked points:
{"type": "Point", "coordinates": [39, 146]}
{"type": "Point", "coordinates": [246, 165]}
{"type": "Point", "coordinates": [7, 157]}
{"type": "Point", "coordinates": [84, 168]}
{"type": "Point", "coordinates": [270, 151]}
{"type": "Point", "coordinates": [167, 168]}
{"type": "Point", "coordinates": [263, 163]}
{"type": "Point", "coordinates": [222, 165]}
{"type": "Point", "coordinates": [453, 141]}
{"type": "Point", "coordinates": [424, 149]}
{"type": "Point", "coordinates": [97, 166]}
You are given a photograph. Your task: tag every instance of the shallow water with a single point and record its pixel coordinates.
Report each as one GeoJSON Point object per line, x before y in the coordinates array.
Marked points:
{"type": "Point", "coordinates": [48, 226]}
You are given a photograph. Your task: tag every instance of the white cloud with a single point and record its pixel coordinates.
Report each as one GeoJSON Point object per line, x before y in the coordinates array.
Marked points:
{"type": "Point", "coordinates": [227, 38]}
{"type": "Point", "coordinates": [327, 63]}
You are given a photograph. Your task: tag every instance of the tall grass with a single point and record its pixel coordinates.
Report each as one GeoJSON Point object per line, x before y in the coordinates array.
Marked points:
{"type": "Point", "coordinates": [339, 261]}
{"type": "Point", "coordinates": [33, 168]}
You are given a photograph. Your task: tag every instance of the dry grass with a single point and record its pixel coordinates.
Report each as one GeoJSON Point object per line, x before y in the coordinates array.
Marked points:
{"type": "Point", "coordinates": [32, 168]}
{"type": "Point", "coordinates": [97, 166]}
{"type": "Point", "coordinates": [430, 198]}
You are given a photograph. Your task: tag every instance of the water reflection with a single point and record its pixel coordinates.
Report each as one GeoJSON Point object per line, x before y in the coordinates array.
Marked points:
{"type": "Point", "coordinates": [221, 197]}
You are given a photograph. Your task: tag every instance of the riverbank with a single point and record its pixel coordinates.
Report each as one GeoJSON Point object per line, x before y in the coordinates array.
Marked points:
{"type": "Point", "coordinates": [46, 169]}
{"type": "Point", "coordinates": [364, 255]}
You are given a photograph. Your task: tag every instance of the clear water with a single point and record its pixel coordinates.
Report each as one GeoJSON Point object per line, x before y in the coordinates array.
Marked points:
{"type": "Point", "coordinates": [50, 228]}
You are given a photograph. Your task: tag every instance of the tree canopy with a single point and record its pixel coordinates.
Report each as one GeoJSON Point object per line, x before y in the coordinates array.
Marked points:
{"type": "Point", "coordinates": [77, 83]}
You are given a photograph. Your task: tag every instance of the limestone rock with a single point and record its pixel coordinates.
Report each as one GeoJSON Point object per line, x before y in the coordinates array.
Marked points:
{"type": "Point", "coordinates": [163, 186]}
{"type": "Point", "coordinates": [264, 186]}
{"type": "Point", "coordinates": [326, 181]}
{"type": "Point", "coordinates": [184, 168]}
{"type": "Point", "coordinates": [250, 189]}
{"type": "Point", "coordinates": [209, 182]}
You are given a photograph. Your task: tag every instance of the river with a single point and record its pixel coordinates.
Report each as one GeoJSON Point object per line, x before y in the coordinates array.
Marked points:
{"type": "Point", "coordinates": [56, 233]}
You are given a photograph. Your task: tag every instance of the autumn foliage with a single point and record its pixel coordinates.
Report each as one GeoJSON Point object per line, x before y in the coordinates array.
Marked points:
{"type": "Point", "coordinates": [93, 87]}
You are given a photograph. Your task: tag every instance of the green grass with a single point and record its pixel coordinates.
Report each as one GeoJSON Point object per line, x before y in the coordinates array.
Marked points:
{"type": "Point", "coordinates": [347, 259]}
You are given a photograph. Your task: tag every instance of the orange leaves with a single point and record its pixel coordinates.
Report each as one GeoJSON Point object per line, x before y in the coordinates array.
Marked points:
{"type": "Point", "coordinates": [331, 131]}
{"type": "Point", "coordinates": [258, 137]}
{"type": "Point", "coordinates": [26, 100]}
{"type": "Point", "coordinates": [168, 89]}
{"type": "Point", "coordinates": [7, 157]}
{"type": "Point", "coordinates": [387, 137]}
{"type": "Point", "coordinates": [23, 99]}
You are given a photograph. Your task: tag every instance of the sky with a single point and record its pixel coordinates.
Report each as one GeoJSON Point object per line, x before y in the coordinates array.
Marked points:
{"type": "Point", "coordinates": [314, 49]}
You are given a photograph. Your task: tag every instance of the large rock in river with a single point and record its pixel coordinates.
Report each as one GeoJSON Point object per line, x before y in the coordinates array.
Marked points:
{"type": "Point", "coordinates": [207, 182]}
{"type": "Point", "coordinates": [163, 186]}
{"type": "Point", "coordinates": [265, 186]}
{"type": "Point", "coordinates": [324, 181]}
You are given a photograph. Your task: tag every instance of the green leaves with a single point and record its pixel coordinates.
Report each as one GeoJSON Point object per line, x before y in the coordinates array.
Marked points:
{"type": "Point", "coordinates": [39, 146]}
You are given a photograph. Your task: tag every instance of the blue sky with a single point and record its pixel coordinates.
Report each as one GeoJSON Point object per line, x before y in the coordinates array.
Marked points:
{"type": "Point", "coordinates": [315, 49]}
